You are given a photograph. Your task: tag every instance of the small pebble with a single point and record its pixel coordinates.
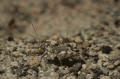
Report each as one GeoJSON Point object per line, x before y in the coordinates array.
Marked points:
{"type": "Point", "coordinates": [106, 49]}
{"type": "Point", "coordinates": [110, 66]}
{"type": "Point", "coordinates": [105, 77]}
{"type": "Point", "coordinates": [16, 53]}
{"type": "Point", "coordinates": [10, 38]}
{"type": "Point", "coordinates": [33, 41]}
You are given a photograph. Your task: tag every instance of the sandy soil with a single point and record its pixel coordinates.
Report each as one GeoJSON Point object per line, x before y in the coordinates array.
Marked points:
{"type": "Point", "coordinates": [59, 39]}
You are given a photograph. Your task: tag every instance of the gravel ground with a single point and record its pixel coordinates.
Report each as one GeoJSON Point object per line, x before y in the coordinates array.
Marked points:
{"type": "Point", "coordinates": [64, 39]}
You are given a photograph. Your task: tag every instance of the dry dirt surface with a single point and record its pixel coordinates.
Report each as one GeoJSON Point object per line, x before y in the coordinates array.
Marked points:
{"type": "Point", "coordinates": [59, 39]}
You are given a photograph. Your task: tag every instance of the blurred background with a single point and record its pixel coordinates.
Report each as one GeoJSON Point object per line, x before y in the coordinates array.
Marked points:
{"type": "Point", "coordinates": [56, 17]}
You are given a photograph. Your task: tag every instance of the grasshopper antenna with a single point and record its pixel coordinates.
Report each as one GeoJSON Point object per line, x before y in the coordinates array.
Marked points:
{"type": "Point", "coordinates": [35, 30]}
